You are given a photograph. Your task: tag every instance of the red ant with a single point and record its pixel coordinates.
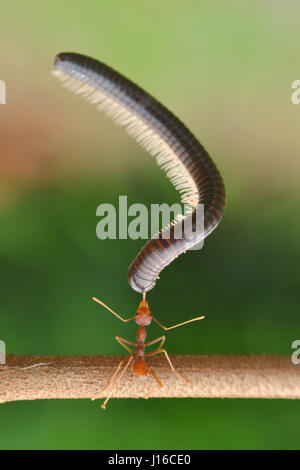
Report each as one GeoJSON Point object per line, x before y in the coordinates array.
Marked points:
{"type": "Point", "coordinates": [142, 318]}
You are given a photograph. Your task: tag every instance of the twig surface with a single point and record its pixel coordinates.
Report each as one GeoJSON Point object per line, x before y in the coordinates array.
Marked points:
{"type": "Point", "coordinates": [44, 377]}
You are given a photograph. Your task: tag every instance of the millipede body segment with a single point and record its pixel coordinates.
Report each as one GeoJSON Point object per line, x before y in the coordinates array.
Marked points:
{"type": "Point", "coordinates": [187, 164]}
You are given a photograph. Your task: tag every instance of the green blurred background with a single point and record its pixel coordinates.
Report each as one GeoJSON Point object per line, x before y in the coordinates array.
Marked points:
{"type": "Point", "coordinates": [225, 68]}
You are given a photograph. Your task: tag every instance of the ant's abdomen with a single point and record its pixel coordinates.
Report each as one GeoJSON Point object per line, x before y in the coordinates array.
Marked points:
{"type": "Point", "coordinates": [140, 367]}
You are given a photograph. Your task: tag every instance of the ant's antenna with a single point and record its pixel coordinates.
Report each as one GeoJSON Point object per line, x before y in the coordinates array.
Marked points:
{"type": "Point", "coordinates": [179, 324]}
{"type": "Point", "coordinates": [110, 310]}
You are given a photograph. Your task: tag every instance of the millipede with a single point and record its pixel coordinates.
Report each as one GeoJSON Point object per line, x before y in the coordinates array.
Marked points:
{"type": "Point", "coordinates": [188, 166]}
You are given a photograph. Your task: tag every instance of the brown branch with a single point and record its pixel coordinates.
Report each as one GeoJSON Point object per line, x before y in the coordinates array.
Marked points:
{"type": "Point", "coordinates": [210, 376]}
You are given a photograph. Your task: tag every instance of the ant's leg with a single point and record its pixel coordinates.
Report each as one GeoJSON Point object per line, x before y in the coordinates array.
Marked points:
{"type": "Point", "coordinates": [111, 380]}
{"type": "Point", "coordinates": [120, 341]}
{"type": "Point", "coordinates": [155, 376]}
{"type": "Point", "coordinates": [161, 338]}
{"type": "Point", "coordinates": [116, 383]}
{"type": "Point", "coordinates": [123, 340]}
{"type": "Point", "coordinates": [158, 351]}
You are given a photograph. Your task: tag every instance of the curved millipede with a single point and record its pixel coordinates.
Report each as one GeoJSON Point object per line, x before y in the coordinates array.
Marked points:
{"type": "Point", "coordinates": [187, 164]}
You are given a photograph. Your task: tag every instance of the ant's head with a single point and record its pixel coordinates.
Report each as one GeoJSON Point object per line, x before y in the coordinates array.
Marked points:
{"type": "Point", "coordinates": [143, 315]}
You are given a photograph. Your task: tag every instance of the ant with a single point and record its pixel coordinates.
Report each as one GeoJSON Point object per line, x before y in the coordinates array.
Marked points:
{"type": "Point", "coordinates": [136, 359]}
